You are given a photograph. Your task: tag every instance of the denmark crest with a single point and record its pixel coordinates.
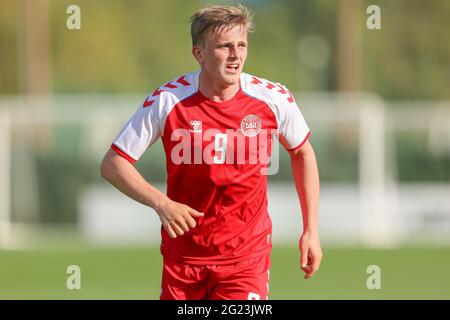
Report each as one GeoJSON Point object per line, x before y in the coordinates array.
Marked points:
{"type": "Point", "coordinates": [250, 125]}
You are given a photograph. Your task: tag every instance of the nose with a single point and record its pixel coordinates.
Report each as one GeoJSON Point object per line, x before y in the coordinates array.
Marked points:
{"type": "Point", "coordinates": [234, 52]}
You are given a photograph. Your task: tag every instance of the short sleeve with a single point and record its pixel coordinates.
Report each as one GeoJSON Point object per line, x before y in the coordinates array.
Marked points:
{"type": "Point", "coordinates": [140, 132]}
{"type": "Point", "coordinates": [293, 130]}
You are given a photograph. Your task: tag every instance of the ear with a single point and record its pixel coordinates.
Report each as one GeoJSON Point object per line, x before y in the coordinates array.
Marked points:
{"type": "Point", "coordinates": [197, 52]}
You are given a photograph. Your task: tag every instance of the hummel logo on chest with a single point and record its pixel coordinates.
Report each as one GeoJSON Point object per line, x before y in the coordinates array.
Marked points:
{"type": "Point", "coordinates": [196, 126]}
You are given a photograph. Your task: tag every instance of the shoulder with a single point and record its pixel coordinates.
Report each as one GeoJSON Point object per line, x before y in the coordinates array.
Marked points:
{"type": "Point", "coordinates": [266, 90]}
{"type": "Point", "coordinates": [173, 91]}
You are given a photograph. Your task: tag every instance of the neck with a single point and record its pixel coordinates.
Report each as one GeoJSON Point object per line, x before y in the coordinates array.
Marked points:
{"type": "Point", "coordinates": [216, 92]}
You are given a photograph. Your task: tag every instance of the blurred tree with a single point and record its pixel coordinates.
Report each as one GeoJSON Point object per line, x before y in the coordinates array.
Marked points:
{"type": "Point", "coordinates": [8, 48]}
{"type": "Point", "coordinates": [349, 58]}
{"type": "Point", "coordinates": [409, 58]}
{"type": "Point", "coordinates": [35, 43]}
{"type": "Point", "coordinates": [135, 46]}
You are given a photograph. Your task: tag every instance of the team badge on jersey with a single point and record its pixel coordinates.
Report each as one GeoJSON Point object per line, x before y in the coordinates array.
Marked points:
{"type": "Point", "coordinates": [251, 125]}
{"type": "Point", "coordinates": [196, 126]}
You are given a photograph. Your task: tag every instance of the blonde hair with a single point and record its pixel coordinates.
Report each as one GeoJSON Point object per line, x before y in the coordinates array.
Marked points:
{"type": "Point", "coordinates": [215, 17]}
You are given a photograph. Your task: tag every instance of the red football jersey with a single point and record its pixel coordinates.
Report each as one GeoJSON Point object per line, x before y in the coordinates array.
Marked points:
{"type": "Point", "coordinates": [217, 154]}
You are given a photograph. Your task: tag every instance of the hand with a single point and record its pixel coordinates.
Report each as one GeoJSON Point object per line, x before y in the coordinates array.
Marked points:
{"type": "Point", "coordinates": [177, 218]}
{"type": "Point", "coordinates": [310, 253]}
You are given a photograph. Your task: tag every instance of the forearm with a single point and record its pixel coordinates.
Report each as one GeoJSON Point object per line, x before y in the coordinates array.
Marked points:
{"type": "Point", "coordinates": [306, 177]}
{"type": "Point", "coordinates": [124, 176]}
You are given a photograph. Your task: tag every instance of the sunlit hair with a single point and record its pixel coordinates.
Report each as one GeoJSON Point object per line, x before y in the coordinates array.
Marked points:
{"type": "Point", "coordinates": [212, 18]}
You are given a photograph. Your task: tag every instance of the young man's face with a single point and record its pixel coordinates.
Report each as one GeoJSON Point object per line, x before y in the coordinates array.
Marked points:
{"type": "Point", "coordinates": [223, 55]}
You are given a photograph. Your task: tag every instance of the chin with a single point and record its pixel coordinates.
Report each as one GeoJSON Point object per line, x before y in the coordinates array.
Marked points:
{"type": "Point", "coordinates": [231, 78]}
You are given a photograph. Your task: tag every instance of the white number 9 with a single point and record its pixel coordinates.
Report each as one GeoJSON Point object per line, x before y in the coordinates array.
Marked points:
{"type": "Point", "coordinates": [220, 147]}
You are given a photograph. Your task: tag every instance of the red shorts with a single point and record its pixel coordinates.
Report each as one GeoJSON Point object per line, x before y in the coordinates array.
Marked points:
{"type": "Point", "coordinates": [245, 280]}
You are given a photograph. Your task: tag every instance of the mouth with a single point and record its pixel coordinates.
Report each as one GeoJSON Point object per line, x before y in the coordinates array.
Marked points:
{"type": "Point", "coordinates": [232, 67]}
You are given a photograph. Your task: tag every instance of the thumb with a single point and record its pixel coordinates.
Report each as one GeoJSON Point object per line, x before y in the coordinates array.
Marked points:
{"type": "Point", "coordinates": [195, 213]}
{"type": "Point", "coordinates": [303, 258]}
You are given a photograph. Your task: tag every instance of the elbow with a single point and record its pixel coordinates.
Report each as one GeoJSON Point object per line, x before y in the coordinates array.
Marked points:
{"type": "Point", "coordinates": [105, 169]}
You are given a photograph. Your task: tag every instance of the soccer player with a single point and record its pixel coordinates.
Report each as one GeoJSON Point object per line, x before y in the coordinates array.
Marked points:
{"type": "Point", "coordinates": [217, 126]}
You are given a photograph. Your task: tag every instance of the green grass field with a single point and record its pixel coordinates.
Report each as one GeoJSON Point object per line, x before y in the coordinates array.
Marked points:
{"type": "Point", "coordinates": [135, 273]}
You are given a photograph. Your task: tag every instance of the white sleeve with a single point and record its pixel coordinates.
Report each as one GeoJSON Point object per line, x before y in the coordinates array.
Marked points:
{"type": "Point", "coordinates": [140, 132]}
{"type": "Point", "coordinates": [293, 130]}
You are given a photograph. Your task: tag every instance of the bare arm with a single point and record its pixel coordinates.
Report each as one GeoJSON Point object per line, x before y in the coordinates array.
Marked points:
{"type": "Point", "coordinates": [176, 218]}
{"type": "Point", "coordinates": [306, 177]}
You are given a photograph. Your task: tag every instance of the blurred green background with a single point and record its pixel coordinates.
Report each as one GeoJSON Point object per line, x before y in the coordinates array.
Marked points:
{"type": "Point", "coordinates": [377, 102]}
{"type": "Point", "coordinates": [136, 46]}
